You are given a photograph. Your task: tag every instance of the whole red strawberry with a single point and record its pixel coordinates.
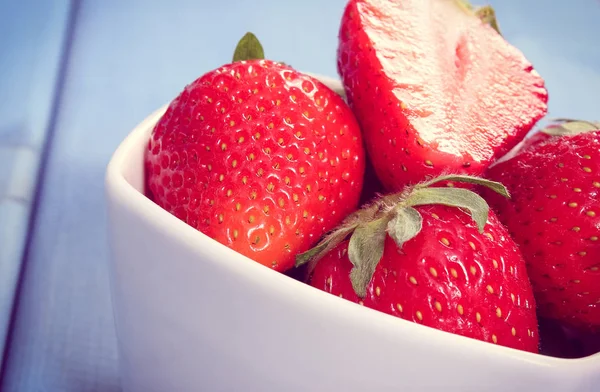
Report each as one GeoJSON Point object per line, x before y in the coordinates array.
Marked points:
{"type": "Point", "coordinates": [415, 255]}
{"type": "Point", "coordinates": [554, 215]}
{"type": "Point", "coordinates": [434, 87]}
{"type": "Point", "coordinates": [257, 156]}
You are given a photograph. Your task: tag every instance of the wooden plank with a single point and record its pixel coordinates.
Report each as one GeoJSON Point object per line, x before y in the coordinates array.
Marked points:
{"type": "Point", "coordinates": [32, 37]}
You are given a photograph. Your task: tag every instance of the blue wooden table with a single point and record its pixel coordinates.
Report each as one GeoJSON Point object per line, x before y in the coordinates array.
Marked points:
{"type": "Point", "coordinates": [76, 76]}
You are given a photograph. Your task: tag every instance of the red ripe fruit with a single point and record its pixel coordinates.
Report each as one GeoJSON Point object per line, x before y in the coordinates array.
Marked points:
{"type": "Point", "coordinates": [554, 215]}
{"type": "Point", "coordinates": [257, 156]}
{"type": "Point", "coordinates": [417, 256]}
{"type": "Point", "coordinates": [434, 87]}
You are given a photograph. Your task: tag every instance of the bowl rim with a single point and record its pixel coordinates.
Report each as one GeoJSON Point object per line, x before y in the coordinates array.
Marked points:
{"type": "Point", "coordinates": [119, 188]}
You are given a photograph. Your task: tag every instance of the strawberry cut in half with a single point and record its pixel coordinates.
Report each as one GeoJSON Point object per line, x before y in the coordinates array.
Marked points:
{"type": "Point", "coordinates": [435, 87]}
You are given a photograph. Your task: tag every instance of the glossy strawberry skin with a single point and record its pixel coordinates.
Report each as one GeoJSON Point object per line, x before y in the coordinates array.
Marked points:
{"type": "Point", "coordinates": [433, 88]}
{"type": "Point", "coordinates": [475, 286]}
{"type": "Point", "coordinates": [554, 215]}
{"type": "Point", "coordinates": [258, 157]}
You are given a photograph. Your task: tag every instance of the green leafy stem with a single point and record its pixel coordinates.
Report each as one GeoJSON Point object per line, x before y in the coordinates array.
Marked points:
{"type": "Point", "coordinates": [395, 215]}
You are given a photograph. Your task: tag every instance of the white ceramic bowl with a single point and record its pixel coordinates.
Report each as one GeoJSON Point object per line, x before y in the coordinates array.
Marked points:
{"type": "Point", "coordinates": [193, 315]}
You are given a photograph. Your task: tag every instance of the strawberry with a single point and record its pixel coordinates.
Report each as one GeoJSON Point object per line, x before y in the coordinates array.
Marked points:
{"type": "Point", "coordinates": [434, 87]}
{"type": "Point", "coordinates": [554, 215]}
{"type": "Point", "coordinates": [416, 256]}
{"type": "Point", "coordinates": [258, 156]}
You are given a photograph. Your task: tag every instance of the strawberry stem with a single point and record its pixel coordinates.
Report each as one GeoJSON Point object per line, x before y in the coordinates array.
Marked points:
{"type": "Point", "coordinates": [495, 186]}
{"type": "Point", "coordinates": [248, 48]}
{"type": "Point", "coordinates": [485, 13]}
{"type": "Point", "coordinates": [488, 16]}
{"type": "Point", "coordinates": [453, 197]}
{"type": "Point", "coordinates": [365, 249]}
{"type": "Point", "coordinates": [570, 127]}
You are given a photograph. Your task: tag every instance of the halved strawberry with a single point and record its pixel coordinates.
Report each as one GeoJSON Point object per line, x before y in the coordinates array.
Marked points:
{"type": "Point", "coordinates": [435, 87]}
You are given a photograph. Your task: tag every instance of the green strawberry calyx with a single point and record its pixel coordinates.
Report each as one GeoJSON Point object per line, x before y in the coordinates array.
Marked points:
{"type": "Point", "coordinates": [570, 127]}
{"type": "Point", "coordinates": [395, 215]}
{"type": "Point", "coordinates": [485, 13]}
{"type": "Point", "coordinates": [248, 48]}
